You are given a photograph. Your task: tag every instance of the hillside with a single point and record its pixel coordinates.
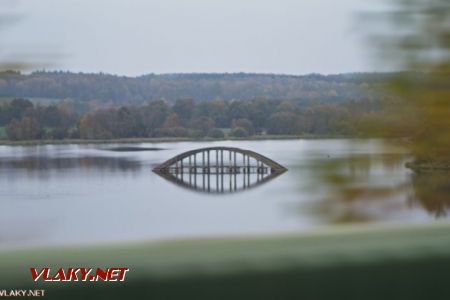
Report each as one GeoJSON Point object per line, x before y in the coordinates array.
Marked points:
{"type": "Point", "coordinates": [200, 87]}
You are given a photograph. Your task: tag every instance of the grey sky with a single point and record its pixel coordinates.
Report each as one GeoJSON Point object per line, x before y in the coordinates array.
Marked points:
{"type": "Point", "coordinates": [133, 37]}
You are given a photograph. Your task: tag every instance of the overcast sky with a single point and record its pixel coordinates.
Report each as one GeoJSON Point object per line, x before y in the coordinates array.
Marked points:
{"type": "Point", "coordinates": [134, 37]}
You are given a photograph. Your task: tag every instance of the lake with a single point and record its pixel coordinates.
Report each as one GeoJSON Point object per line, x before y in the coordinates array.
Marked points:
{"type": "Point", "coordinates": [76, 194]}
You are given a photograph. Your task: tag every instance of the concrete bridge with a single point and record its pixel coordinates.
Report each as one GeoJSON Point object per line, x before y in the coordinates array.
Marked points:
{"type": "Point", "coordinates": [232, 169]}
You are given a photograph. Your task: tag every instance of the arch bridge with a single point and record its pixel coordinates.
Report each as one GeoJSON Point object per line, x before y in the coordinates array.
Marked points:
{"type": "Point", "coordinates": [232, 168]}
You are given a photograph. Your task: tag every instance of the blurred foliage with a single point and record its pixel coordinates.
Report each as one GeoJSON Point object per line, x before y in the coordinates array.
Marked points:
{"type": "Point", "coordinates": [413, 36]}
{"type": "Point", "coordinates": [7, 61]}
{"type": "Point", "coordinates": [417, 38]}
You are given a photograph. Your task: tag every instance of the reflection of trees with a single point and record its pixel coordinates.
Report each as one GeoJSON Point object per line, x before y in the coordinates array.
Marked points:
{"type": "Point", "coordinates": [354, 192]}
{"type": "Point", "coordinates": [37, 163]}
{"type": "Point", "coordinates": [418, 107]}
{"type": "Point", "coordinates": [432, 192]}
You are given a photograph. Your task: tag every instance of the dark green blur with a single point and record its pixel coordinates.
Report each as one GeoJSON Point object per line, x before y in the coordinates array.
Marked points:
{"type": "Point", "coordinates": [363, 262]}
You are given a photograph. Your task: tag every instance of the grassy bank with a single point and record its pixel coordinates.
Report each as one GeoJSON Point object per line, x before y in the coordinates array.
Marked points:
{"type": "Point", "coordinates": [364, 262]}
{"type": "Point", "coordinates": [166, 139]}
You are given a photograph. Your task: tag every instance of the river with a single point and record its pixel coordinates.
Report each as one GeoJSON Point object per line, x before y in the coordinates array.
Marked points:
{"type": "Point", "coordinates": [78, 194]}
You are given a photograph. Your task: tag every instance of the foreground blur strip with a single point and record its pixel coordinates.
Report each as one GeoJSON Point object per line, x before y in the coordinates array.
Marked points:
{"type": "Point", "coordinates": [363, 262]}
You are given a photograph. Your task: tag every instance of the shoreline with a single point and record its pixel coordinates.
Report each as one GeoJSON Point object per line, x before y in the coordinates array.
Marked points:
{"type": "Point", "coordinates": [165, 140]}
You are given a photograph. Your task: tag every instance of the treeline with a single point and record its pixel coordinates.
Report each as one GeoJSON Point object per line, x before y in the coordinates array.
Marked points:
{"type": "Point", "coordinates": [24, 120]}
{"type": "Point", "coordinates": [202, 87]}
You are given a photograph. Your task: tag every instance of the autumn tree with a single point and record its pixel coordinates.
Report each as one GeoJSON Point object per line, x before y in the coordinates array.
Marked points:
{"type": "Point", "coordinates": [26, 129]}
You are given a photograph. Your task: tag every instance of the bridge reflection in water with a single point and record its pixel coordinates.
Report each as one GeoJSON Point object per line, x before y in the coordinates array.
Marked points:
{"type": "Point", "coordinates": [219, 169]}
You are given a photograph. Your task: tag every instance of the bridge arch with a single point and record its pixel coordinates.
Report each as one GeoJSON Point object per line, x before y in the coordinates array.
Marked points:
{"type": "Point", "coordinates": [206, 160]}
{"type": "Point", "coordinates": [219, 169]}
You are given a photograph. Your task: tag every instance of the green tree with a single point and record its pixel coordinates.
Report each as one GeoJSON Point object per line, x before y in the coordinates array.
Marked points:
{"type": "Point", "coordinates": [216, 110]}
{"type": "Point", "coordinates": [202, 124]}
{"type": "Point", "coordinates": [184, 108]}
{"type": "Point", "coordinates": [216, 133]}
{"type": "Point", "coordinates": [239, 132]}
{"type": "Point", "coordinates": [244, 123]}
{"type": "Point", "coordinates": [283, 123]}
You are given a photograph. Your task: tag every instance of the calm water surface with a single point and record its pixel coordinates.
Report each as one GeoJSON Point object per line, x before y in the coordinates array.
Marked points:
{"type": "Point", "coordinates": [67, 194]}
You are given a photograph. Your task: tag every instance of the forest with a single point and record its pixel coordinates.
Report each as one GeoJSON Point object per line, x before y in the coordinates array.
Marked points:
{"type": "Point", "coordinates": [24, 120]}
{"type": "Point", "coordinates": [62, 105]}
{"type": "Point", "coordinates": [114, 89]}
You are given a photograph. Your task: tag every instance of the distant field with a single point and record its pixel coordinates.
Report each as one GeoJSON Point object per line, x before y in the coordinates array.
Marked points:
{"type": "Point", "coordinates": [5, 99]}
{"type": "Point", "coordinates": [227, 131]}
{"type": "Point", "coordinates": [2, 132]}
